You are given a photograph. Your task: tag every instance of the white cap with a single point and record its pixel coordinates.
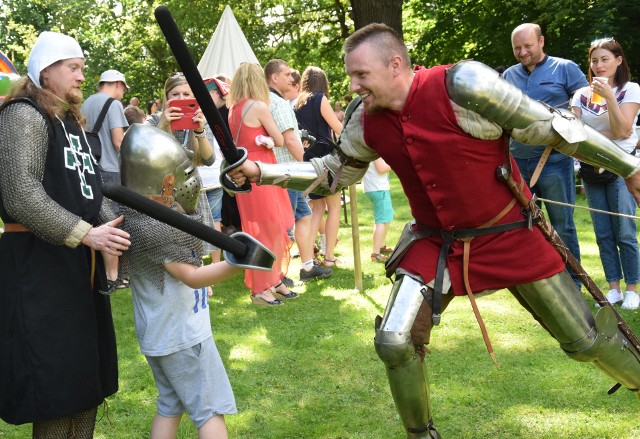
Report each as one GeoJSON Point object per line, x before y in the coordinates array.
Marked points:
{"type": "Point", "coordinates": [51, 47]}
{"type": "Point", "coordinates": [113, 76]}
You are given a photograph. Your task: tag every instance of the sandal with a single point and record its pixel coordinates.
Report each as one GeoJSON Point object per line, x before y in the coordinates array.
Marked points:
{"type": "Point", "coordinates": [259, 301]}
{"type": "Point", "coordinates": [111, 287]}
{"type": "Point", "coordinates": [289, 295]}
{"type": "Point", "coordinates": [330, 262]}
{"type": "Point", "coordinates": [122, 283]}
{"type": "Point", "coordinates": [378, 257]}
{"type": "Point", "coordinates": [386, 250]}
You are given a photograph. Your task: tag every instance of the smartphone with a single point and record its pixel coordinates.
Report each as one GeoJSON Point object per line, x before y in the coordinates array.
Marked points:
{"type": "Point", "coordinates": [188, 108]}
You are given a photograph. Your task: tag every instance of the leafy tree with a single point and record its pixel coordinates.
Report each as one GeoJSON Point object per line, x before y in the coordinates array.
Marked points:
{"type": "Point", "coordinates": [124, 34]}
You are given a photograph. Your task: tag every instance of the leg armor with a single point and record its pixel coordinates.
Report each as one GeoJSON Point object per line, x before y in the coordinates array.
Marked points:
{"type": "Point", "coordinates": [403, 355]}
{"type": "Point", "coordinates": [558, 305]}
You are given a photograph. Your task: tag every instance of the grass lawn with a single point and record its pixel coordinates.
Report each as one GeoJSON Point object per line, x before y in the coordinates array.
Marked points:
{"type": "Point", "coordinates": [308, 369]}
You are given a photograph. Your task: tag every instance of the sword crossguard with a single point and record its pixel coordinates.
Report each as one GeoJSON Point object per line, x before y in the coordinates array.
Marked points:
{"type": "Point", "coordinates": [226, 182]}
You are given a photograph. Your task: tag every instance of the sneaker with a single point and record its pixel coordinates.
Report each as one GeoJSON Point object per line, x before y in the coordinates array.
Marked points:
{"type": "Point", "coordinates": [631, 300]}
{"type": "Point", "coordinates": [613, 296]}
{"type": "Point", "coordinates": [317, 272]}
{"type": "Point", "coordinates": [290, 283]}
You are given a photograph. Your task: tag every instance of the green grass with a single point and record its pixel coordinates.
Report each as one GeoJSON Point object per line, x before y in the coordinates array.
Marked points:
{"type": "Point", "coordinates": [308, 369]}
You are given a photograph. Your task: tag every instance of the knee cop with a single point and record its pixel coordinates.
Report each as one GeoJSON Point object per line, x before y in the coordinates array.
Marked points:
{"type": "Point", "coordinates": [393, 331]}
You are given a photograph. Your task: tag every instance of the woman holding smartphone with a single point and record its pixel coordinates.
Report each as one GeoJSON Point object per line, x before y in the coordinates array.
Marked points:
{"type": "Point", "coordinates": [178, 112]}
{"type": "Point", "coordinates": [610, 105]}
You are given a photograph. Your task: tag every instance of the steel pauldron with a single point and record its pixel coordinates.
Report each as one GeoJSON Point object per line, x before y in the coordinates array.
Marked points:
{"type": "Point", "coordinates": [479, 88]}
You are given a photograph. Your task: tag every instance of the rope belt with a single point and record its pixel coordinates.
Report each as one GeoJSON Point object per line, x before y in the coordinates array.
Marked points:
{"type": "Point", "coordinates": [16, 227]}
{"type": "Point", "coordinates": [466, 236]}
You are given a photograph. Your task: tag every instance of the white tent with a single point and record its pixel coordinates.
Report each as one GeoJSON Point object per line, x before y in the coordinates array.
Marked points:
{"type": "Point", "coordinates": [227, 49]}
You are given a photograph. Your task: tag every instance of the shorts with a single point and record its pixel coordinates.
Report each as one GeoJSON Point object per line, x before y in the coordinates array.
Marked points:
{"type": "Point", "coordinates": [382, 208]}
{"type": "Point", "coordinates": [193, 380]}
{"type": "Point", "coordinates": [214, 196]}
{"type": "Point", "coordinates": [298, 204]}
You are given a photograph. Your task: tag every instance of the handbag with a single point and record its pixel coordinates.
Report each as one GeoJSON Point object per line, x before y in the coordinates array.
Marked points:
{"type": "Point", "coordinates": [589, 174]}
{"type": "Point", "coordinates": [92, 136]}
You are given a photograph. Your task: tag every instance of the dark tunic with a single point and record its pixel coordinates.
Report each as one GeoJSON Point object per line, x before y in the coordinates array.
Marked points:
{"type": "Point", "coordinates": [449, 179]}
{"type": "Point", "coordinates": [57, 341]}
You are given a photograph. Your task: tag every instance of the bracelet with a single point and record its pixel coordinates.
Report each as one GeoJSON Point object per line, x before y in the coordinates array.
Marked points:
{"type": "Point", "coordinates": [198, 135]}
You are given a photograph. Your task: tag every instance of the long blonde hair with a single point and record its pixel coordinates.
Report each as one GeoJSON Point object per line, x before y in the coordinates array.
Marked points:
{"type": "Point", "coordinates": [248, 83]}
{"type": "Point", "coordinates": [171, 83]}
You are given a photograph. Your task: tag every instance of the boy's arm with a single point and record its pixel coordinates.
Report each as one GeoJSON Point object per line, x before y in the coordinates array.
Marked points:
{"type": "Point", "coordinates": [198, 277]}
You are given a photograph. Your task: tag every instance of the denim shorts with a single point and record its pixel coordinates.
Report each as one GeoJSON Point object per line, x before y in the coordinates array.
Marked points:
{"type": "Point", "coordinates": [298, 204]}
{"type": "Point", "coordinates": [382, 208]}
{"type": "Point", "coordinates": [214, 196]}
{"type": "Point", "coordinates": [193, 380]}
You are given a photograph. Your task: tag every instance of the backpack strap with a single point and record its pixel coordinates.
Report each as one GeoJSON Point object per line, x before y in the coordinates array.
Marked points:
{"type": "Point", "coordinates": [103, 114]}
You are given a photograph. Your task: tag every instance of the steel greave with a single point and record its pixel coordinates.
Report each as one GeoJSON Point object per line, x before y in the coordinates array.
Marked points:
{"type": "Point", "coordinates": [560, 307]}
{"type": "Point", "coordinates": [405, 370]}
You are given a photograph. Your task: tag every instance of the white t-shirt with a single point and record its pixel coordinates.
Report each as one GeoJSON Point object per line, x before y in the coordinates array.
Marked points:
{"type": "Point", "coordinates": [597, 116]}
{"type": "Point", "coordinates": [375, 181]}
{"type": "Point", "coordinates": [210, 175]}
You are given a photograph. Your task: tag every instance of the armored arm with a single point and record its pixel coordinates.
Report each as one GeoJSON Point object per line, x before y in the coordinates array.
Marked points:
{"type": "Point", "coordinates": [348, 164]}
{"type": "Point", "coordinates": [478, 88]}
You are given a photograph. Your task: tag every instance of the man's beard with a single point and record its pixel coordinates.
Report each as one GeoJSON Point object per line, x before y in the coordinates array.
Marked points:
{"type": "Point", "coordinates": [372, 108]}
{"type": "Point", "coordinates": [74, 97]}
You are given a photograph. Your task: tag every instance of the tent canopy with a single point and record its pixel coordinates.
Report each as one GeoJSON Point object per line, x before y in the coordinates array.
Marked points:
{"type": "Point", "coordinates": [227, 49]}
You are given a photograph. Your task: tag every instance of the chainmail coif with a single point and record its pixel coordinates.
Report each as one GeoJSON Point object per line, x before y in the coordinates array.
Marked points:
{"type": "Point", "coordinates": [153, 244]}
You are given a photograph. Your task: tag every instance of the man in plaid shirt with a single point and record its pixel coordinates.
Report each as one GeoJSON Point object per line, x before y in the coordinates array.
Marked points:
{"type": "Point", "coordinates": [278, 75]}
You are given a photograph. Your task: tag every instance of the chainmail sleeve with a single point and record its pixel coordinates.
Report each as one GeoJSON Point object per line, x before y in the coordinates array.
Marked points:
{"type": "Point", "coordinates": [106, 213]}
{"type": "Point", "coordinates": [153, 244]}
{"type": "Point", "coordinates": [24, 141]}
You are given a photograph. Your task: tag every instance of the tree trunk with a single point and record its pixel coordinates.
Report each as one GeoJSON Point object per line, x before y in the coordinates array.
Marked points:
{"type": "Point", "coordinates": [388, 12]}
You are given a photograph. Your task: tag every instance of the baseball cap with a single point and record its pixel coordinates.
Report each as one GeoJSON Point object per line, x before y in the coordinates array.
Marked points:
{"type": "Point", "coordinates": [113, 76]}
{"type": "Point", "coordinates": [49, 48]}
{"type": "Point", "coordinates": [216, 84]}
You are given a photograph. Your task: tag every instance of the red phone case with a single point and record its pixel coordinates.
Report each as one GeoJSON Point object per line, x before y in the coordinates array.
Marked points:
{"type": "Point", "coordinates": [188, 107]}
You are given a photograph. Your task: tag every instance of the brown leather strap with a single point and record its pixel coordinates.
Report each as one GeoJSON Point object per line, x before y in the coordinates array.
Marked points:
{"type": "Point", "coordinates": [166, 198]}
{"type": "Point", "coordinates": [467, 284]}
{"type": "Point", "coordinates": [15, 227]}
{"type": "Point", "coordinates": [317, 181]}
{"type": "Point", "coordinates": [93, 267]}
{"type": "Point", "coordinates": [543, 159]}
{"type": "Point", "coordinates": [476, 311]}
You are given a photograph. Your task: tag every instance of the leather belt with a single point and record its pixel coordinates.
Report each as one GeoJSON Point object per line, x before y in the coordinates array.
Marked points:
{"type": "Point", "coordinates": [15, 227]}
{"type": "Point", "coordinates": [466, 236]}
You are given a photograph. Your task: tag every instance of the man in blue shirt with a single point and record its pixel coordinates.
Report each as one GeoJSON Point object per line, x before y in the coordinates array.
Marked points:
{"type": "Point", "coordinates": [553, 81]}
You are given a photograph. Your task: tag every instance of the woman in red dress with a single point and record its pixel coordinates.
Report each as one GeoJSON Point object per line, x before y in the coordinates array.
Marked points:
{"type": "Point", "coordinates": [265, 212]}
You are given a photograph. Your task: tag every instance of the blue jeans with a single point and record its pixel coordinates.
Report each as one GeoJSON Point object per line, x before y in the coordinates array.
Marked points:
{"type": "Point", "coordinates": [214, 196]}
{"type": "Point", "coordinates": [298, 204]}
{"type": "Point", "coordinates": [557, 182]}
{"type": "Point", "coordinates": [616, 236]}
